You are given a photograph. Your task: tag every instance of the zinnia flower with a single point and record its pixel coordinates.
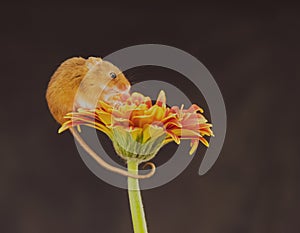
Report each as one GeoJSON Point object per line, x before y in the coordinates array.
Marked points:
{"type": "Point", "coordinates": [138, 128]}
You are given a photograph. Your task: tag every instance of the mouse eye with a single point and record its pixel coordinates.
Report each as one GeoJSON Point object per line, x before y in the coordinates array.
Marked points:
{"type": "Point", "coordinates": [113, 74]}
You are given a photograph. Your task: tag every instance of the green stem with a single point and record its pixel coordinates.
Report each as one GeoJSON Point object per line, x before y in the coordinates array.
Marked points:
{"type": "Point", "coordinates": [135, 200]}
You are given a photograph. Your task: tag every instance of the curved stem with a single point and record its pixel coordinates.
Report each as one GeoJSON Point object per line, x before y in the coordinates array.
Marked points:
{"type": "Point", "coordinates": [135, 200]}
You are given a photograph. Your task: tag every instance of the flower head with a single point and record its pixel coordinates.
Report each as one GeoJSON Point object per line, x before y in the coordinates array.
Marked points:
{"type": "Point", "coordinates": [138, 128]}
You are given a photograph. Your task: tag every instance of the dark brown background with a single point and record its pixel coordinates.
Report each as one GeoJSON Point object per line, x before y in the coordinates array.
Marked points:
{"type": "Point", "coordinates": [253, 53]}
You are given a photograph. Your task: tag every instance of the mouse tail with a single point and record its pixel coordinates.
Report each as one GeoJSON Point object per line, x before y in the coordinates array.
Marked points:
{"type": "Point", "coordinates": [107, 166]}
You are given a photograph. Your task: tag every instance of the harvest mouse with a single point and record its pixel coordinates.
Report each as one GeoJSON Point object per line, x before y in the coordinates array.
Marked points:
{"type": "Point", "coordinates": [80, 83]}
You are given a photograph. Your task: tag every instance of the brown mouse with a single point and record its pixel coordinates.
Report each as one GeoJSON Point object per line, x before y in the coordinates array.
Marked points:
{"type": "Point", "coordinates": [80, 83]}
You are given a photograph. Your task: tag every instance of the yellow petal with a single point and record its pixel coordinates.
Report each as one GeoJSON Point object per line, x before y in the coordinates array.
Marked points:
{"type": "Point", "coordinates": [185, 133]}
{"type": "Point", "coordinates": [136, 133]}
{"type": "Point", "coordinates": [157, 112]}
{"type": "Point", "coordinates": [194, 146]}
{"type": "Point", "coordinates": [140, 121]}
{"type": "Point", "coordinates": [104, 117]}
{"type": "Point", "coordinates": [152, 132]}
{"type": "Point", "coordinates": [167, 140]}
{"type": "Point", "coordinates": [106, 107]}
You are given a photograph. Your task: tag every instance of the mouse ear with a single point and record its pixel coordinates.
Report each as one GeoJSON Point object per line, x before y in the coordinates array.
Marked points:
{"type": "Point", "coordinates": [91, 61]}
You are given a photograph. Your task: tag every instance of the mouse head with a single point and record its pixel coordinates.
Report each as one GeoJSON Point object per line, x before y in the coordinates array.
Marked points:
{"type": "Point", "coordinates": [102, 81]}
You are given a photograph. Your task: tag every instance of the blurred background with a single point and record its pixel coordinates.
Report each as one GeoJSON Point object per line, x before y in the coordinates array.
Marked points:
{"type": "Point", "coordinates": [253, 53]}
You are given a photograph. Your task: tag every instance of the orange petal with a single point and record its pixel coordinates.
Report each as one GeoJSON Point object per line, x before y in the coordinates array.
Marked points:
{"type": "Point", "coordinates": [161, 99]}
{"type": "Point", "coordinates": [194, 108]}
{"type": "Point", "coordinates": [203, 140]}
{"type": "Point", "coordinates": [148, 102]}
{"type": "Point", "coordinates": [140, 121]}
{"type": "Point", "coordinates": [174, 137]}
